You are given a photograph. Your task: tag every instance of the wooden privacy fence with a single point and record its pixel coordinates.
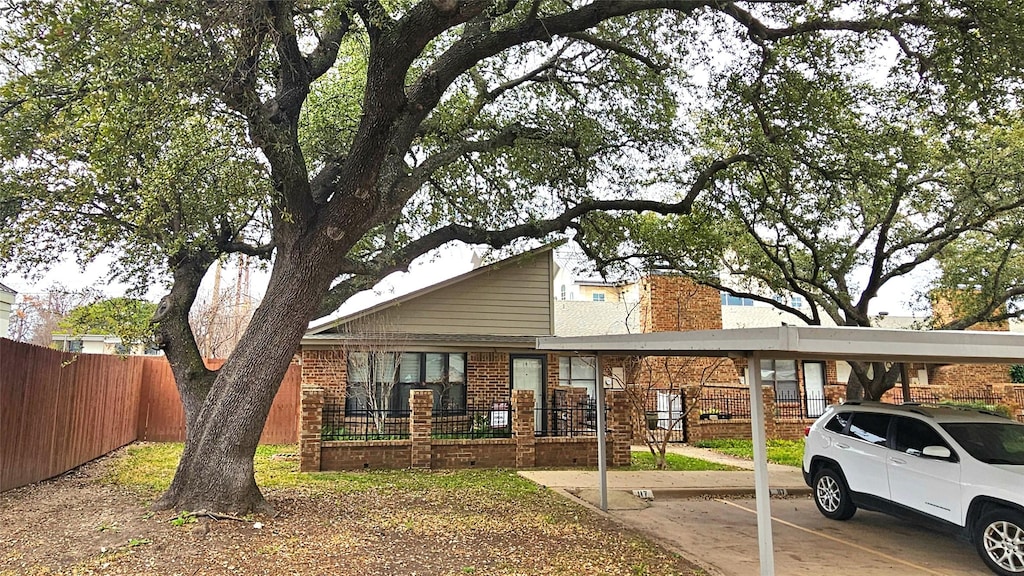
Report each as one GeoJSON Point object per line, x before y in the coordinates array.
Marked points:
{"type": "Point", "coordinates": [59, 410]}
{"type": "Point", "coordinates": [162, 418]}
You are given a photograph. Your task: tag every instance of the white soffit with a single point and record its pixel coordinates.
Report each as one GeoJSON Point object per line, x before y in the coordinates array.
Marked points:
{"type": "Point", "coordinates": [809, 342]}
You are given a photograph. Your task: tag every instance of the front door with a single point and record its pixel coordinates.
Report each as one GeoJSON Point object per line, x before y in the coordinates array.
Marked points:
{"type": "Point", "coordinates": [528, 374]}
{"type": "Point", "coordinates": [814, 387]}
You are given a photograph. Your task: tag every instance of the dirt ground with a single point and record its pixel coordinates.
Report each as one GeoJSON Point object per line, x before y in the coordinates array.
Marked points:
{"type": "Point", "coordinates": [81, 524]}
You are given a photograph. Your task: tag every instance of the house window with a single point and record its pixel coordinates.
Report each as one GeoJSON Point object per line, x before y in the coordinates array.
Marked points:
{"type": "Point", "coordinates": [74, 346]}
{"type": "Point", "coordinates": [730, 300]}
{"type": "Point", "coordinates": [782, 375]}
{"type": "Point", "coordinates": [563, 291]}
{"type": "Point", "coordinates": [598, 296]}
{"type": "Point", "coordinates": [797, 302]}
{"type": "Point", "coordinates": [579, 372]}
{"type": "Point", "coordinates": [382, 381]}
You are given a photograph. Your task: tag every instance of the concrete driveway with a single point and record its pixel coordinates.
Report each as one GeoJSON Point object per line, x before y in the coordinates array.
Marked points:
{"type": "Point", "coordinates": [721, 535]}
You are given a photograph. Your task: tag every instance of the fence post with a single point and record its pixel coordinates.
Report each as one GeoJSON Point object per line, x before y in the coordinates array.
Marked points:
{"type": "Point", "coordinates": [311, 404]}
{"type": "Point", "coordinates": [421, 408]}
{"type": "Point", "coordinates": [620, 424]}
{"type": "Point", "coordinates": [523, 428]}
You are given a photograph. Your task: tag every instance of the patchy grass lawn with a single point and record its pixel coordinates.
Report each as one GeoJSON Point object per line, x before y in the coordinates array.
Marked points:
{"type": "Point", "coordinates": [148, 468]}
{"type": "Point", "coordinates": [94, 520]}
{"type": "Point", "coordinates": [787, 452]}
{"type": "Point", "coordinates": [643, 460]}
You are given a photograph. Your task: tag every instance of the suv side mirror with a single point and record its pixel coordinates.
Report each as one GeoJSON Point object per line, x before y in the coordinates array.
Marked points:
{"type": "Point", "coordinates": [940, 452]}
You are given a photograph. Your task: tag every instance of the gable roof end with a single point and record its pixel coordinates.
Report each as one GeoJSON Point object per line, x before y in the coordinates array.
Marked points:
{"type": "Point", "coordinates": [518, 258]}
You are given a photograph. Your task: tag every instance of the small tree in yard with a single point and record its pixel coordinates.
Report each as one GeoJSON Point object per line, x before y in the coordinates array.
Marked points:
{"type": "Point", "coordinates": [342, 139]}
{"type": "Point", "coordinates": [374, 363]}
{"type": "Point", "coordinates": [668, 380]}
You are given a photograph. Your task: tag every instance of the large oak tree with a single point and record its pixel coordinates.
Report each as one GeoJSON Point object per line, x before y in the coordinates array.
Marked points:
{"type": "Point", "coordinates": [342, 139]}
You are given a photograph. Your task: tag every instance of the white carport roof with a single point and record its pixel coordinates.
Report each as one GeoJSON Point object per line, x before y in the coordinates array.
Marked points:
{"type": "Point", "coordinates": [785, 342]}
{"type": "Point", "coordinates": [810, 342]}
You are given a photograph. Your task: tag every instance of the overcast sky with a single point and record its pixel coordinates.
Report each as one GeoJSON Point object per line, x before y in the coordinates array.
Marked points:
{"type": "Point", "coordinates": [896, 299]}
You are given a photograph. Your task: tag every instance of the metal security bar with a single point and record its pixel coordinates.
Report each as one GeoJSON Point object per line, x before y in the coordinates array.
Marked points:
{"type": "Point", "coordinates": [578, 420]}
{"type": "Point", "coordinates": [364, 424]}
{"type": "Point", "coordinates": [473, 423]}
{"type": "Point", "coordinates": [789, 406]}
{"type": "Point", "coordinates": [723, 402]}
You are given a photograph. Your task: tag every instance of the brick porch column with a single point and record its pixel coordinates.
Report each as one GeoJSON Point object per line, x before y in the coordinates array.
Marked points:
{"type": "Point", "coordinates": [523, 428]}
{"type": "Point", "coordinates": [768, 393]}
{"type": "Point", "coordinates": [311, 404]}
{"type": "Point", "coordinates": [421, 406]}
{"type": "Point", "coordinates": [620, 427]}
{"type": "Point", "coordinates": [692, 407]}
{"type": "Point", "coordinates": [835, 394]}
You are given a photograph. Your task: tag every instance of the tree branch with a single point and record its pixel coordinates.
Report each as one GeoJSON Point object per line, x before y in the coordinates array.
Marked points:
{"type": "Point", "coordinates": [620, 49]}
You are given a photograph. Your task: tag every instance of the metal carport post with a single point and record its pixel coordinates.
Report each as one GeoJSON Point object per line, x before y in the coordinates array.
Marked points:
{"type": "Point", "coordinates": [791, 343]}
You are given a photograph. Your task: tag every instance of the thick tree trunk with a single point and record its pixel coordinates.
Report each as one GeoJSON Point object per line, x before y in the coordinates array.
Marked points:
{"type": "Point", "coordinates": [882, 379]}
{"type": "Point", "coordinates": [175, 337]}
{"type": "Point", "coordinates": [216, 469]}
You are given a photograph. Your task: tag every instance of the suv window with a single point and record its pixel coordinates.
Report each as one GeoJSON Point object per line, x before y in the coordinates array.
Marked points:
{"type": "Point", "coordinates": [912, 435]}
{"type": "Point", "coordinates": [838, 423]}
{"type": "Point", "coordinates": [992, 443]}
{"type": "Point", "coordinates": [870, 427]}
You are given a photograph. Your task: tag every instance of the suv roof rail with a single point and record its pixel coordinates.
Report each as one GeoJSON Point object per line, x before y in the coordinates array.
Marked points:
{"type": "Point", "coordinates": [915, 407]}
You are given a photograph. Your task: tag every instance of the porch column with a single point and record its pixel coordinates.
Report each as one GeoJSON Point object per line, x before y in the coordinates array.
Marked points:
{"type": "Point", "coordinates": [421, 407]}
{"type": "Point", "coordinates": [620, 425]}
{"type": "Point", "coordinates": [311, 404]}
{"type": "Point", "coordinates": [523, 428]}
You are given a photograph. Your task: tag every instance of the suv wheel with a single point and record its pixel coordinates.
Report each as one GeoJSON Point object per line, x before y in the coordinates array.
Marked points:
{"type": "Point", "coordinates": [999, 536]}
{"type": "Point", "coordinates": [831, 496]}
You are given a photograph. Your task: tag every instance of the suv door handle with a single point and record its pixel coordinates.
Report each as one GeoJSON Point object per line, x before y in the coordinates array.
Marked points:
{"type": "Point", "coordinates": [842, 446]}
{"type": "Point", "coordinates": [897, 461]}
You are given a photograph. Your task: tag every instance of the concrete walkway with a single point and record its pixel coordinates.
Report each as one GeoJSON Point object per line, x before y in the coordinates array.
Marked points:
{"type": "Point", "coordinates": [782, 480]}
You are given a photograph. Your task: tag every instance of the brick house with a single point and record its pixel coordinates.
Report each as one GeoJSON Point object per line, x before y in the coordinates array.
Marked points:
{"type": "Point", "coordinates": [471, 343]}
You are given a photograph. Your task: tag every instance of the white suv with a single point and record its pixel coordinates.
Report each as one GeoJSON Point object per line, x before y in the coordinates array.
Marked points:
{"type": "Point", "coordinates": [958, 469]}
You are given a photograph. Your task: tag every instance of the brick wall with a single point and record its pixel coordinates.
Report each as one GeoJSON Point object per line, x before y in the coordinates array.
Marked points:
{"type": "Point", "coordinates": [946, 307]}
{"type": "Point", "coordinates": [370, 455]}
{"type": "Point", "coordinates": [553, 452]}
{"type": "Point", "coordinates": [325, 369]}
{"type": "Point", "coordinates": [671, 303]}
{"type": "Point", "coordinates": [487, 379]}
{"type": "Point", "coordinates": [490, 453]}
{"type": "Point", "coordinates": [968, 376]}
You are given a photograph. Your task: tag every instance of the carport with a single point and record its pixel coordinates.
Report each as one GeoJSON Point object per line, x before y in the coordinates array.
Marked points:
{"type": "Point", "coordinates": [789, 343]}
